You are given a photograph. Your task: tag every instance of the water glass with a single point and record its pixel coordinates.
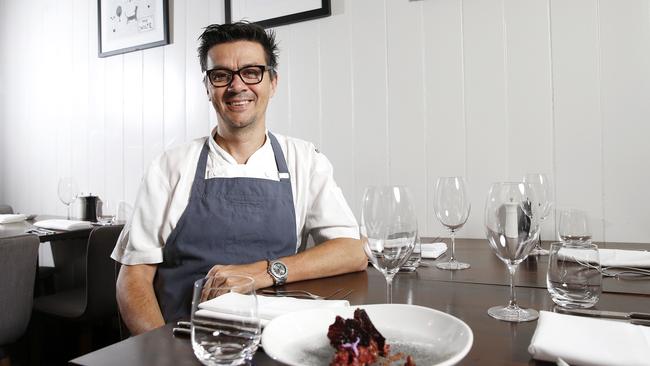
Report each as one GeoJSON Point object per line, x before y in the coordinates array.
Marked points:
{"type": "Point", "coordinates": [574, 276]}
{"type": "Point", "coordinates": [413, 262]}
{"type": "Point", "coordinates": [232, 335]}
{"type": "Point", "coordinates": [105, 212]}
{"type": "Point", "coordinates": [573, 225]}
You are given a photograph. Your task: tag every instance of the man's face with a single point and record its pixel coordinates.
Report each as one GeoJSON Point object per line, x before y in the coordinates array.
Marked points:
{"type": "Point", "coordinates": [239, 105]}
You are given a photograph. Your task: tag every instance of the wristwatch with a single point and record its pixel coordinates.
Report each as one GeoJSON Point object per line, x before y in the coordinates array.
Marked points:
{"type": "Point", "coordinates": [278, 271]}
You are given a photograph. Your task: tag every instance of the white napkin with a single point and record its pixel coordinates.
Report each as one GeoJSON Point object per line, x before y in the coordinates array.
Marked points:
{"type": "Point", "coordinates": [269, 307]}
{"type": "Point", "coordinates": [432, 250]}
{"type": "Point", "coordinates": [10, 218]}
{"type": "Point", "coordinates": [589, 341]}
{"type": "Point", "coordinates": [620, 257]}
{"type": "Point", "coordinates": [63, 224]}
{"type": "Point", "coordinates": [612, 257]}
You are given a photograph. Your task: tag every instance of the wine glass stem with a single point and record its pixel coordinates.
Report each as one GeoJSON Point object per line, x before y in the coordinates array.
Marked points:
{"type": "Point", "coordinates": [453, 245]}
{"type": "Point", "coordinates": [389, 289]}
{"type": "Point", "coordinates": [513, 299]}
{"type": "Point", "coordinates": [68, 208]}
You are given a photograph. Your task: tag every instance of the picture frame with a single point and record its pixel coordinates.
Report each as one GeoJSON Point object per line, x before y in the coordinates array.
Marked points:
{"type": "Point", "coordinates": [275, 13]}
{"type": "Point", "coordinates": [131, 25]}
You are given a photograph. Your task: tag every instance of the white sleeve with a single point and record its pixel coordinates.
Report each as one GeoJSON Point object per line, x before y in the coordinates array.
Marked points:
{"type": "Point", "coordinates": [328, 216]}
{"type": "Point", "coordinates": [141, 240]}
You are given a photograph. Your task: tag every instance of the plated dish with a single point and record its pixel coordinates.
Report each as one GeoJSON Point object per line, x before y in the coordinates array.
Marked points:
{"type": "Point", "coordinates": [430, 336]}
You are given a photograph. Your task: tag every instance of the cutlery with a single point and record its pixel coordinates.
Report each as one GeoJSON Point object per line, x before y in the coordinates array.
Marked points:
{"type": "Point", "coordinates": [182, 329]}
{"type": "Point", "coordinates": [634, 317]}
{"type": "Point", "coordinates": [300, 293]}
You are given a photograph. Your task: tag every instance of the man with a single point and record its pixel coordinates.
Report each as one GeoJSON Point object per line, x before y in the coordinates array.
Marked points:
{"type": "Point", "coordinates": [239, 202]}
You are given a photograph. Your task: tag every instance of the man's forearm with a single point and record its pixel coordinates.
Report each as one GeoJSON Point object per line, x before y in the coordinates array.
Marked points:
{"type": "Point", "coordinates": [137, 300]}
{"type": "Point", "coordinates": [330, 258]}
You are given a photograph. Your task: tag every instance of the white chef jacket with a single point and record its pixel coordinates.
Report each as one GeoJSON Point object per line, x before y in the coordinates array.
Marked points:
{"type": "Point", "coordinates": [320, 208]}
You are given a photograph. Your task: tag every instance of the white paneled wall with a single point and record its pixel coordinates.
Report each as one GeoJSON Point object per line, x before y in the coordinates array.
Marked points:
{"type": "Point", "coordinates": [392, 91]}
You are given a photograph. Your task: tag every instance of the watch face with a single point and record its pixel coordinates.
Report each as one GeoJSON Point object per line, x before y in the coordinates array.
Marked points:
{"type": "Point", "coordinates": [279, 269]}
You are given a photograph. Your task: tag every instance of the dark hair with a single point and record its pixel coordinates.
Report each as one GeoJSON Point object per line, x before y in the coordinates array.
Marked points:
{"type": "Point", "coordinates": [240, 31]}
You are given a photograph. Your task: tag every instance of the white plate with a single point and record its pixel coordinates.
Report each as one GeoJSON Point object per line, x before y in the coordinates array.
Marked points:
{"type": "Point", "coordinates": [430, 336]}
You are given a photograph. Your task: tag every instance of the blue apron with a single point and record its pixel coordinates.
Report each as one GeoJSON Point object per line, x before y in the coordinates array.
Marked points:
{"type": "Point", "coordinates": [226, 221]}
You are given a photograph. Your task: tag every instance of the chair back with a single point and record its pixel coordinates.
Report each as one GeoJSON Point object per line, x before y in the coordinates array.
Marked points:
{"type": "Point", "coordinates": [18, 259]}
{"type": "Point", "coordinates": [100, 273]}
{"type": "Point", "coordinates": [6, 209]}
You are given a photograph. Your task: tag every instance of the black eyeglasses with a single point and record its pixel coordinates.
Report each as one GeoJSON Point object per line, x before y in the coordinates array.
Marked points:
{"type": "Point", "coordinates": [250, 75]}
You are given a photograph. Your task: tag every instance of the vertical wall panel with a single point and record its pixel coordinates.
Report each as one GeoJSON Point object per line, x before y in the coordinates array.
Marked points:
{"type": "Point", "coordinates": [79, 79]}
{"type": "Point", "coordinates": [406, 129]}
{"type": "Point", "coordinates": [133, 127]}
{"type": "Point", "coordinates": [197, 119]}
{"type": "Point", "coordinates": [113, 163]}
{"type": "Point", "coordinates": [336, 96]}
{"type": "Point", "coordinates": [305, 93]}
{"type": "Point", "coordinates": [153, 83]}
{"type": "Point", "coordinates": [174, 79]}
{"type": "Point", "coordinates": [369, 90]}
{"type": "Point", "coordinates": [578, 124]}
{"type": "Point", "coordinates": [529, 94]}
{"type": "Point", "coordinates": [485, 104]}
{"type": "Point", "coordinates": [625, 93]}
{"type": "Point", "coordinates": [445, 118]}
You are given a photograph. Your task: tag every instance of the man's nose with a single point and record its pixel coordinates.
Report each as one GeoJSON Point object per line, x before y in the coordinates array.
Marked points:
{"type": "Point", "coordinates": [237, 83]}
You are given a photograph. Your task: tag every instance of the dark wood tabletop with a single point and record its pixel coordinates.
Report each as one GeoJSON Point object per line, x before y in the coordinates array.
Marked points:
{"type": "Point", "coordinates": [465, 294]}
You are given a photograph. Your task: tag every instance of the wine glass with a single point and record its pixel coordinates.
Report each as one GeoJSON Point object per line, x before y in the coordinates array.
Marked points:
{"type": "Point", "coordinates": [511, 231]}
{"type": "Point", "coordinates": [573, 226]}
{"type": "Point", "coordinates": [67, 191]}
{"type": "Point", "coordinates": [451, 205]}
{"type": "Point", "coordinates": [388, 229]}
{"type": "Point", "coordinates": [543, 201]}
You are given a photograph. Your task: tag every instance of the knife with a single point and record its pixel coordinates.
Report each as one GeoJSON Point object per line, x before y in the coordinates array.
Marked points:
{"type": "Point", "coordinates": [608, 314]}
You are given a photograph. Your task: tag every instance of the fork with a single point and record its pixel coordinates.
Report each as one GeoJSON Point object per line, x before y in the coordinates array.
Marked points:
{"type": "Point", "coordinates": [616, 271]}
{"type": "Point", "coordinates": [300, 293]}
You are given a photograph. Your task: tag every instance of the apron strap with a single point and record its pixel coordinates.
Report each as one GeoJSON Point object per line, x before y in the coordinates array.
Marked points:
{"type": "Point", "coordinates": [280, 161]}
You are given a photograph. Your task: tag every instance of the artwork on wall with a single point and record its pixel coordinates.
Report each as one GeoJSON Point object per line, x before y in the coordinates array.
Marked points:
{"type": "Point", "coordinates": [274, 13]}
{"type": "Point", "coordinates": [131, 25]}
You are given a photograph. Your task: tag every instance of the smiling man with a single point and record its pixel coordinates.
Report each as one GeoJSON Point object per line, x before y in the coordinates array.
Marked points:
{"type": "Point", "coordinates": [241, 201]}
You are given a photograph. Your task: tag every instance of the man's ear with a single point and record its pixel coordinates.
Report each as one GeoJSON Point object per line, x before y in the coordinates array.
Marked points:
{"type": "Point", "coordinates": [274, 84]}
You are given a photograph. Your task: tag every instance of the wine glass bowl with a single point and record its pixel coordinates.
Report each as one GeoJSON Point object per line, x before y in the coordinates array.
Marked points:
{"type": "Point", "coordinates": [511, 232]}
{"type": "Point", "coordinates": [67, 192]}
{"type": "Point", "coordinates": [388, 229]}
{"type": "Point", "coordinates": [452, 207]}
{"type": "Point", "coordinates": [542, 201]}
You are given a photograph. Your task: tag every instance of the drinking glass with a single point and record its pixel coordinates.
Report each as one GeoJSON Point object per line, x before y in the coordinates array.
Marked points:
{"type": "Point", "coordinates": [574, 277]}
{"type": "Point", "coordinates": [573, 226]}
{"type": "Point", "coordinates": [541, 206]}
{"type": "Point", "coordinates": [511, 231]}
{"type": "Point", "coordinates": [451, 205]}
{"type": "Point", "coordinates": [105, 213]}
{"type": "Point", "coordinates": [67, 191]}
{"type": "Point", "coordinates": [413, 261]}
{"type": "Point", "coordinates": [388, 229]}
{"type": "Point", "coordinates": [231, 335]}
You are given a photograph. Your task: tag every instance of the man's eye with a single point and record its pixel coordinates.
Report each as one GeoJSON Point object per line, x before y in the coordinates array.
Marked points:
{"type": "Point", "coordinates": [219, 76]}
{"type": "Point", "coordinates": [253, 74]}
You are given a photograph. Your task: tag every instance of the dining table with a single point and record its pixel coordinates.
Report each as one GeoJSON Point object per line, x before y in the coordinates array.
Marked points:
{"type": "Point", "coordinates": [465, 294]}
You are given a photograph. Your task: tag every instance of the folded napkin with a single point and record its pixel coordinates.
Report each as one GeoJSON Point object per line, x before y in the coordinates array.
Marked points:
{"type": "Point", "coordinates": [269, 307]}
{"type": "Point", "coordinates": [612, 257]}
{"type": "Point", "coordinates": [627, 258]}
{"type": "Point", "coordinates": [63, 224]}
{"type": "Point", "coordinates": [432, 250]}
{"type": "Point", "coordinates": [10, 218]}
{"type": "Point", "coordinates": [589, 341]}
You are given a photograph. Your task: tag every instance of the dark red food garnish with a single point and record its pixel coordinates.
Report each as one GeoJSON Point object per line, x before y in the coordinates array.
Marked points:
{"type": "Point", "coordinates": [358, 342]}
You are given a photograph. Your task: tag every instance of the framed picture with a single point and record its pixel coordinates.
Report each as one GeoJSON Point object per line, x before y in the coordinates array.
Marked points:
{"type": "Point", "coordinates": [131, 25]}
{"type": "Point", "coordinates": [274, 13]}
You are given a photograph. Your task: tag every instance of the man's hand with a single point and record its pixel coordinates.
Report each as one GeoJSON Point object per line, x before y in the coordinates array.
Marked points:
{"type": "Point", "coordinates": [255, 270]}
{"type": "Point", "coordinates": [137, 299]}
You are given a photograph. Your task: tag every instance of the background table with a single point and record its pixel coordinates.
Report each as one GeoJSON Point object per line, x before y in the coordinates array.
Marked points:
{"type": "Point", "coordinates": [465, 294]}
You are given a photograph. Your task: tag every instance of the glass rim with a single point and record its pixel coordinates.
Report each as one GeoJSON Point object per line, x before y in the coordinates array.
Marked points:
{"type": "Point", "coordinates": [574, 244]}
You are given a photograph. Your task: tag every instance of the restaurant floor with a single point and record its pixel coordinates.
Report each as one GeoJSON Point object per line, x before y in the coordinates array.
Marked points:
{"type": "Point", "coordinates": [52, 342]}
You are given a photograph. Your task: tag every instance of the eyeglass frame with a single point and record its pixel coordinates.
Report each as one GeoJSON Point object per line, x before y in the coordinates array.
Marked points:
{"type": "Point", "coordinates": [263, 68]}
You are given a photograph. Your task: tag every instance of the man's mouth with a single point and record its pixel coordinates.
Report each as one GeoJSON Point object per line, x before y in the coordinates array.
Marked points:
{"type": "Point", "coordinates": [238, 103]}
